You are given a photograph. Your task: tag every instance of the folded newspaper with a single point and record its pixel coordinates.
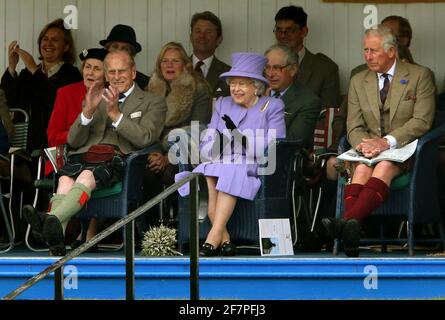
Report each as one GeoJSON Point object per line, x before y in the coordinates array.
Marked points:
{"type": "Point", "coordinates": [51, 155]}
{"type": "Point", "coordinates": [55, 155]}
{"type": "Point", "coordinates": [397, 155]}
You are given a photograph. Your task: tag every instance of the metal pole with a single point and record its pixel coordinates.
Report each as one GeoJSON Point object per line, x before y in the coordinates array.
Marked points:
{"type": "Point", "coordinates": [129, 260]}
{"type": "Point", "coordinates": [98, 237]}
{"type": "Point", "coordinates": [194, 263]}
{"type": "Point", "coordinates": [58, 283]}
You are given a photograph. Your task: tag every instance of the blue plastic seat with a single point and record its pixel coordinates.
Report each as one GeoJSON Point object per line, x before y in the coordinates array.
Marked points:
{"type": "Point", "coordinates": [273, 201]}
{"type": "Point", "coordinates": [417, 202]}
{"type": "Point", "coordinates": [123, 197]}
{"type": "Point", "coordinates": [117, 200]}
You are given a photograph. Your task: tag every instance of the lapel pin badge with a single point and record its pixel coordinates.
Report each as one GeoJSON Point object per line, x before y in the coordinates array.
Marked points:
{"type": "Point", "coordinates": [404, 81]}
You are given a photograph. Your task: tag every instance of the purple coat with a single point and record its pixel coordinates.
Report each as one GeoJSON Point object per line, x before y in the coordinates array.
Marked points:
{"type": "Point", "coordinates": [237, 176]}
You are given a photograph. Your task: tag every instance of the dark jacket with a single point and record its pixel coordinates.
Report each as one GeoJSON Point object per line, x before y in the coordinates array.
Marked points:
{"type": "Point", "coordinates": [36, 93]}
{"type": "Point", "coordinates": [302, 108]}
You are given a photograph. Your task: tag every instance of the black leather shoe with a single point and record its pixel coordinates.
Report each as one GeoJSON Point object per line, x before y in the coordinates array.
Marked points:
{"type": "Point", "coordinates": [35, 219]}
{"type": "Point", "coordinates": [207, 250]}
{"type": "Point", "coordinates": [53, 235]}
{"type": "Point", "coordinates": [228, 248]}
{"type": "Point", "coordinates": [351, 238]}
{"type": "Point", "coordinates": [334, 226]}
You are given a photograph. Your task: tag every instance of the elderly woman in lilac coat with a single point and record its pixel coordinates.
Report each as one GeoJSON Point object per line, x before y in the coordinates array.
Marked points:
{"type": "Point", "coordinates": [232, 171]}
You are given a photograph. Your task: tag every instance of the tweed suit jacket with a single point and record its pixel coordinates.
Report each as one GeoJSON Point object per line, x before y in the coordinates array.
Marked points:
{"type": "Point", "coordinates": [410, 100]}
{"type": "Point", "coordinates": [219, 87]}
{"type": "Point", "coordinates": [302, 109]}
{"type": "Point", "coordinates": [141, 125]}
{"type": "Point", "coordinates": [320, 74]}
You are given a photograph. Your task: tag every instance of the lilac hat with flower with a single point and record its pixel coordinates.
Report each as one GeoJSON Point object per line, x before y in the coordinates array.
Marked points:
{"type": "Point", "coordinates": [247, 64]}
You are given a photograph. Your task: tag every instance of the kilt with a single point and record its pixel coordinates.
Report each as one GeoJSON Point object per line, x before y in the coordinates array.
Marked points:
{"type": "Point", "coordinates": [347, 168]}
{"type": "Point", "coordinates": [106, 174]}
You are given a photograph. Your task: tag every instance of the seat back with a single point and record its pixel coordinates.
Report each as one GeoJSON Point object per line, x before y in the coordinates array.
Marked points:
{"type": "Point", "coordinates": [324, 134]}
{"type": "Point", "coordinates": [20, 137]}
{"type": "Point", "coordinates": [273, 201]}
{"type": "Point", "coordinates": [117, 205]}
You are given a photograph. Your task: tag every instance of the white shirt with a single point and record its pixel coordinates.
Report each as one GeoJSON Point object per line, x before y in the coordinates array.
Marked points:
{"type": "Point", "coordinates": [390, 72]}
{"type": "Point", "coordinates": [206, 66]}
{"type": "Point", "coordinates": [54, 69]}
{"type": "Point", "coordinates": [272, 92]}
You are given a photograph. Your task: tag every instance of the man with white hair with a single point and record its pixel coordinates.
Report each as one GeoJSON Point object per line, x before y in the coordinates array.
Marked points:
{"type": "Point", "coordinates": [390, 104]}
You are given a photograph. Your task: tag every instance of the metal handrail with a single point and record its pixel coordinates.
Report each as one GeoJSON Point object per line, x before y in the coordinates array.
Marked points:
{"type": "Point", "coordinates": [128, 222]}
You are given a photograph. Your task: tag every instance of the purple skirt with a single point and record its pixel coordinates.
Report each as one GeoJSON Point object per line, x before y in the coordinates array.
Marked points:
{"type": "Point", "coordinates": [238, 180]}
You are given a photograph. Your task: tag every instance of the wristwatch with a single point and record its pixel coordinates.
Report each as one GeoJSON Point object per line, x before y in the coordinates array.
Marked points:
{"type": "Point", "coordinates": [387, 142]}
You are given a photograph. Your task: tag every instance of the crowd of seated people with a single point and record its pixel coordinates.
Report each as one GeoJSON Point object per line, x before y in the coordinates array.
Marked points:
{"type": "Point", "coordinates": [285, 90]}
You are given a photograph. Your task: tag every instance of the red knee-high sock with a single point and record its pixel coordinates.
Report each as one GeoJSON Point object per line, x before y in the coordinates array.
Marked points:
{"type": "Point", "coordinates": [372, 196]}
{"type": "Point", "coordinates": [352, 192]}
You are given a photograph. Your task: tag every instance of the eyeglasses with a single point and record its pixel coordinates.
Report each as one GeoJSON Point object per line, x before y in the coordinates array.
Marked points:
{"type": "Point", "coordinates": [173, 61]}
{"type": "Point", "coordinates": [275, 68]}
{"type": "Point", "coordinates": [241, 84]}
{"type": "Point", "coordinates": [286, 32]}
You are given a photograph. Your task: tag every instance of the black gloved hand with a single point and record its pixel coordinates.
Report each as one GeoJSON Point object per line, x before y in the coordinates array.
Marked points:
{"type": "Point", "coordinates": [229, 123]}
{"type": "Point", "coordinates": [231, 126]}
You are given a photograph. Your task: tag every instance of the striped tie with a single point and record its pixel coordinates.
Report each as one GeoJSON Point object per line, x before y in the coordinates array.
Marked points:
{"type": "Point", "coordinates": [385, 89]}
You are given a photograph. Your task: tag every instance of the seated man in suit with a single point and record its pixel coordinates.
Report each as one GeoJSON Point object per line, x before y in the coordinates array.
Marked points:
{"type": "Point", "coordinates": [206, 36]}
{"type": "Point", "coordinates": [403, 32]}
{"type": "Point", "coordinates": [123, 37]}
{"type": "Point", "coordinates": [389, 105]}
{"type": "Point", "coordinates": [317, 71]}
{"type": "Point", "coordinates": [302, 107]}
{"type": "Point", "coordinates": [122, 116]}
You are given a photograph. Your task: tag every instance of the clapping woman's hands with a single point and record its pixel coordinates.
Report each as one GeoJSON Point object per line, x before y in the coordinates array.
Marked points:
{"type": "Point", "coordinates": [28, 60]}
{"type": "Point", "coordinates": [13, 57]}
